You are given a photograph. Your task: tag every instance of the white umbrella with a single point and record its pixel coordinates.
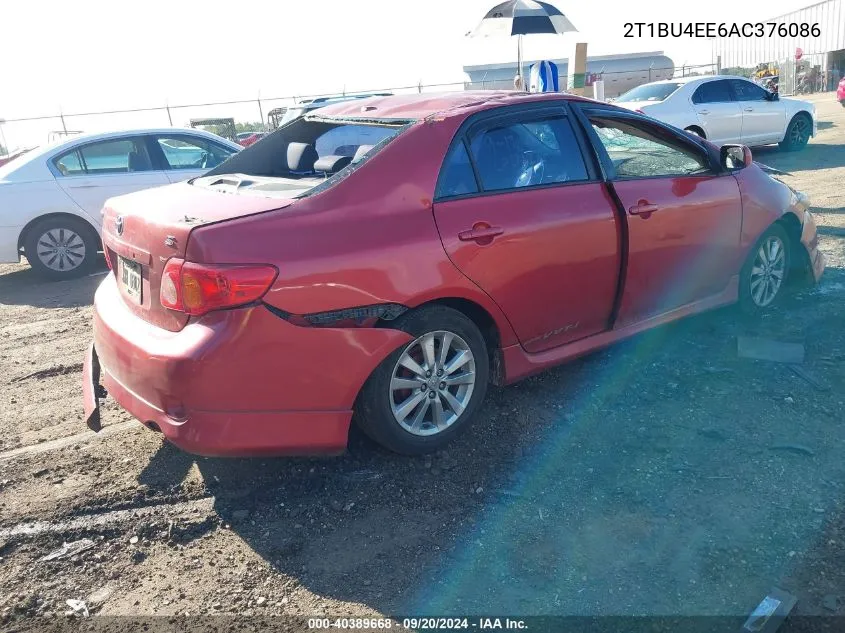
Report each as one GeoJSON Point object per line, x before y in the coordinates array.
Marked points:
{"type": "Point", "coordinates": [523, 17]}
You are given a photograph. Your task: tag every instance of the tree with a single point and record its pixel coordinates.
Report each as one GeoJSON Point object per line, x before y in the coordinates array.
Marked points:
{"type": "Point", "coordinates": [249, 127]}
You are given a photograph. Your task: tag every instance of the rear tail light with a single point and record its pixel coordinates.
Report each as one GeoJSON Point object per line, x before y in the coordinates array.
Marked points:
{"type": "Point", "coordinates": [199, 288]}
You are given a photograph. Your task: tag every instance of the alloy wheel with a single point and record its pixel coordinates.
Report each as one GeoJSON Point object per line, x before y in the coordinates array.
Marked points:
{"type": "Point", "coordinates": [768, 271]}
{"type": "Point", "coordinates": [61, 249]}
{"type": "Point", "coordinates": [432, 383]}
{"type": "Point", "coordinates": [798, 133]}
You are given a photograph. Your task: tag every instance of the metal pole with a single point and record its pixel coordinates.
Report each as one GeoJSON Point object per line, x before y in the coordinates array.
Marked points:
{"type": "Point", "coordinates": [169, 118]}
{"type": "Point", "coordinates": [261, 112]}
{"type": "Point", "coordinates": [519, 61]}
{"type": "Point", "coordinates": [62, 116]}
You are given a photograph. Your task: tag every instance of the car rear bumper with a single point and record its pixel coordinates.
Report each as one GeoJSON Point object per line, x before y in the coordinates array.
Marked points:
{"type": "Point", "coordinates": [233, 383]}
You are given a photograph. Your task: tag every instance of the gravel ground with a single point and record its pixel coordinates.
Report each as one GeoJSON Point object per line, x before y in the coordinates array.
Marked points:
{"type": "Point", "coordinates": [662, 476]}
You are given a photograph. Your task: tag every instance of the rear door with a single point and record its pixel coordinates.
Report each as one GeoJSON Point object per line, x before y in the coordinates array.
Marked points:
{"type": "Point", "coordinates": [94, 172]}
{"type": "Point", "coordinates": [684, 216]}
{"type": "Point", "coordinates": [185, 156]}
{"type": "Point", "coordinates": [763, 121]}
{"type": "Point", "coordinates": [527, 219]}
{"type": "Point", "coordinates": [718, 113]}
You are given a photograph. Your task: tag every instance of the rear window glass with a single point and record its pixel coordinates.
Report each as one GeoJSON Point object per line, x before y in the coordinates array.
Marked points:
{"type": "Point", "coordinates": [311, 148]}
{"type": "Point", "coordinates": [649, 92]}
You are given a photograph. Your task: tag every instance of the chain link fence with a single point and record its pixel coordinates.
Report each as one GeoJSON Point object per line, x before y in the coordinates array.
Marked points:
{"type": "Point", "coordinates": [22, 132]}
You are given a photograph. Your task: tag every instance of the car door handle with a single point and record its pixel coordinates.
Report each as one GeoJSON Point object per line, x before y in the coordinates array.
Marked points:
{"type": "Point", "coordinates": [643, 208]}
{"type": "Point", "coordinates": [88, 186]}
{"type": "Point", "coordinates": [749, 109]}
{"type": "Point", "coordinates": [704, 111]}
{"type": "Point", "coordinates": [480, 232]}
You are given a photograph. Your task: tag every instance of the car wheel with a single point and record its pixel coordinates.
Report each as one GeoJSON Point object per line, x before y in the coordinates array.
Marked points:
{"type": "Point", "coordinates": [695, 130]}
{"type": "Point", "coordinates": [797, 133]}
{"type": "Point", "coordinates": [61, 248]}
{"type": "Point", "coordinates": [763, 276]}
{"type": "Point", "coordinates": [425, 393]}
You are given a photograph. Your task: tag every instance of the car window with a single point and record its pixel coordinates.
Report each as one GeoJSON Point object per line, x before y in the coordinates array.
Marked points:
{"type": "Point", "coordinates": [747, 91]}
{"type": "Point", "coordinates": [106, 157]}
{"type": "Point", "coordinates": [69, 164]}
{"type": "Point", "coordinates": [456, 176]}
{"type": "Point", "coordinates": [649, 92]}
{"type": "Point", "coordinates": [185, 152]}
{"type": "Point", "coordinates": [712, 92]}
{"type": "Point", "coordinates": [345, 140]}
{"type": "Point", "coordinates": [527, 153]}
{"type": "Point", "coordinates": [638, 151]}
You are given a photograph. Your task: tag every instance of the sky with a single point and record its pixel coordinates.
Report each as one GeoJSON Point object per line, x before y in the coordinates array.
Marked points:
{"type": "Point", "coordinates": [95, 55]}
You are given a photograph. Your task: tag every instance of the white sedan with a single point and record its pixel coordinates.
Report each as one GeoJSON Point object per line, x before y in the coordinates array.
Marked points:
{"type": "Point", "coordinates": [51, 198]}
{"type": "Point", "coordinates": [725, 109]}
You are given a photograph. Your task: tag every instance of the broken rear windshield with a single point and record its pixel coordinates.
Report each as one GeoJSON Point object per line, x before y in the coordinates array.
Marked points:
{"type": "Point", "coordinates": [312, 148]}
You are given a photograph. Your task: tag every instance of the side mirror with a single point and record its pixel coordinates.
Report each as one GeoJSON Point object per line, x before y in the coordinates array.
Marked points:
{"type": "Point", "coordinates": [733, 157]}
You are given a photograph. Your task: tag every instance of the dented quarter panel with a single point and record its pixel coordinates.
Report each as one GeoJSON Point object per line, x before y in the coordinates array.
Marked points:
{"type": "Point", "coordinates": [367, 240]}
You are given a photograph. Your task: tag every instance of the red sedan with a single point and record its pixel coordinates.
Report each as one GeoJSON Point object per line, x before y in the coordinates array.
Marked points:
{"type": "Point", "coordinates": [387, 259]}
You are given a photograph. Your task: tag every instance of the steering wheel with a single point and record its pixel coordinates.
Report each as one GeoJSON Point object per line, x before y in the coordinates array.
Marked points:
{"type": "Point", "coordinates": [204, 160]}
{"type": "Point", "coordinates": [533, 170]}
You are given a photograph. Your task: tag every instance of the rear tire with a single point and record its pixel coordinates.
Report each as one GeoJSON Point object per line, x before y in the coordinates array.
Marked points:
{"type": "Point", "coordinates": [797, 133]}
{"type": "Point", "coordinates": [411, 405]}
{"type": "Point", "coordinates": [695, 130]}
{"type": "Point", "coordinates": [61, 247]}
{"type": "Point", "coordinates": [764, 274]}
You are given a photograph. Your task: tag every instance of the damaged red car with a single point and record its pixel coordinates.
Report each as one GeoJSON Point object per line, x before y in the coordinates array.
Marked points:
{"type": "Point", "coordinates": [383, 261]}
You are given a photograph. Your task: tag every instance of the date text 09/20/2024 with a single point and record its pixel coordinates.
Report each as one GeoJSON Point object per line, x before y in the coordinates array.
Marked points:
{"type": "Point", "coordinates": [721, 29]}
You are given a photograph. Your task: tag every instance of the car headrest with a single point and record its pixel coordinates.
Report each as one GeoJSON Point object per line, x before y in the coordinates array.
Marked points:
{"type": "Point", "coordinates": [361, 152]}
{"type": "Point", "coordinates": [301, 157]}
{"type": "Point", "coordinates": [331, 164]}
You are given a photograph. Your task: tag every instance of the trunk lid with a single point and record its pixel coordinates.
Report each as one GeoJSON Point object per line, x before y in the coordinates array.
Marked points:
{"type": "Point", "coordinates": [141, 231]}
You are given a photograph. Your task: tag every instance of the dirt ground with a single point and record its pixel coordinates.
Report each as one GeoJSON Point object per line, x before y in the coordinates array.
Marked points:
{"type": "Point", "coordinates": [662, 476]}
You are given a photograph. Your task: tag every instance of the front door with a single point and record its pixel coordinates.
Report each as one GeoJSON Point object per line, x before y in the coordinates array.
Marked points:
{"type": "Point", "coordinates": [93, 173]}
{"type": "Point", "coordinates": [531, 225]}
{"type": "Point", "coordinates": [763, 120]}
{"type": "Point", "coordinates": [684, 217]}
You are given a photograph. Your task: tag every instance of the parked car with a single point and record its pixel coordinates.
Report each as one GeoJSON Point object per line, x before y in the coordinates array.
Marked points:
{"type": "Point", "coordinates": [245, 139]}
{"type": "Point", "coordinates": [52, 197]}
{"type": "Point", "coordinates": [278, 117]}
{"type": "Point", "coordinates": [726, 109]}
{"type": "Point", "coordinates": [840, 92]}
{"type": "Point", "coordinates": [359, 262]}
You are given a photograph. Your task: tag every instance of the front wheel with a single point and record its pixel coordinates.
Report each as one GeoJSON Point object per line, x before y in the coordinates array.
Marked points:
{"type": "Point", "coordinates": [61, 248]}
{"type": "Point", "coordinates": [425, 393]}
{"type": "Point", "coordinates": [797, 133]}
{"type": "Point", "coordinates": [763, 276]}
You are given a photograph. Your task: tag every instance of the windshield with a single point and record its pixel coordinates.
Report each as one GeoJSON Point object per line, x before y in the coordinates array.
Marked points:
{"type": "Point", "coordinates": [649, 92]}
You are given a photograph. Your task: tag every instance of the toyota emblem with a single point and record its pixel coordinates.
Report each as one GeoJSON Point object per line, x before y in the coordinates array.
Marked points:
{"type": "Point", "coordinates": [118, 224]}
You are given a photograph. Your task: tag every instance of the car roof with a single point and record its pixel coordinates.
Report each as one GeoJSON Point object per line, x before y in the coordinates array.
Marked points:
{"type": "Point", "coordinates": [413, 107]}
{"type": "Point", "coordinates": [694, 78]}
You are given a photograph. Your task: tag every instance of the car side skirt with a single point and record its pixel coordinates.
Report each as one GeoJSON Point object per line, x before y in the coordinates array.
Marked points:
{"type": "Point", "coordinates": [519, 364]}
